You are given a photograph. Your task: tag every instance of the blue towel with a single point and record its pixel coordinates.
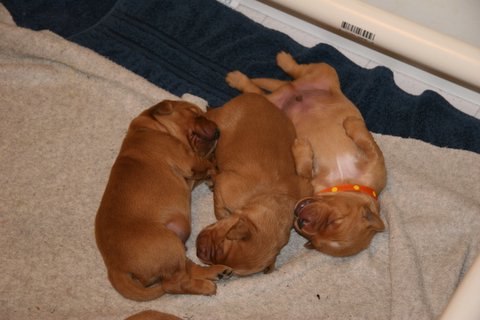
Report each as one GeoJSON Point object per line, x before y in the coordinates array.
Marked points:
{"type": "Point", "coordinates": [190, 45]}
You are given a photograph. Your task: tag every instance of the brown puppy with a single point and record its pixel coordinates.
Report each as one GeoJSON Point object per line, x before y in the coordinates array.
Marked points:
{"type": "Point", "coordinates": [335, 150]}
{"type": "Point", "coordinates": [144, 216]}
{"type": "Point", "coordinates": [255, 189]}
{"type": "Point", "coordinates": [152, 315]}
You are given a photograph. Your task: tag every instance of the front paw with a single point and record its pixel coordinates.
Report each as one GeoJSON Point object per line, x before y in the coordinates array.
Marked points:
{"type": "Point", "coordinates": [219, 272]}
{"type": "Point", "coordinates": [227, 273]}
{"type": "Point", "coordinates": [352, 125]}
{"type": "Point", "coordinates": [303, 156]}
{"type": "Point", "coordinates": [209, 288]}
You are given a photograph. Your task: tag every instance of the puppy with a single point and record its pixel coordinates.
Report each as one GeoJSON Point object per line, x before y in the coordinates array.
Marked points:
{"type": "Point", "coordinates": [144, 217]}
{"type": "Point", "coordinates": [335, 150]}
{"type": "Point", "coordinates": [152, 315]}
{"type": "Point", "coordinates": [255, 187]}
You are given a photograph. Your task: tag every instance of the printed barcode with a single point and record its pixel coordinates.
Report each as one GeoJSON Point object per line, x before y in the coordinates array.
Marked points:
{"type": "Point", "coordinates": [358, 31]}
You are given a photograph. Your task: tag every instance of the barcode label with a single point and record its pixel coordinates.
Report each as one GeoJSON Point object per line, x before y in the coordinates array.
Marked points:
{"type": "Point", "coordinates": [367, 35]}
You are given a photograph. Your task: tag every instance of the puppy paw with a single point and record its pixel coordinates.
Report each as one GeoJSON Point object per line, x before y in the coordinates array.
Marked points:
{"type": "Point", "coordinates": [219, 272]}
{"type": "Point", "coordinates": [303, 156]}
{"type": "Point", "coordinates": [209, 288]}
{"type": "Point", "coordinates": [210, 272]}
{"type": "Point", "coordinates": [352, 124]}
{"type": "Point", "coordinates": [237, 80]}
{"type": "Point", "coordinates": [225, 274]}
{"type": "Point", "coordinates": [284, 58]}
{"type": "Point", "coordinates": [199, 286]}
{"type": "Point", "coordinates": [286, 62]}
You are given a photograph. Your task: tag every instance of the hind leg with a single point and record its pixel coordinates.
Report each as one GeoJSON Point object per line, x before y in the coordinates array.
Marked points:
{"type": "Point", "coordinates": [322, 75]}
{"type": "Point", "coordinates": [241, 82]}
{"type": "Point", "coordinates": [269, 84]}
{"type": "Point", "coordinates": [286, 62]}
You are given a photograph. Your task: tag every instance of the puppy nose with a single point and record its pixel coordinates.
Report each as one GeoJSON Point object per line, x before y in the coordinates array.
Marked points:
{"type": "Point", "coordinates": [300, 223]}
{"type": "Point", "coordinates": [302, 204]}
{"type": "Point", "coordinates": [216, 135]}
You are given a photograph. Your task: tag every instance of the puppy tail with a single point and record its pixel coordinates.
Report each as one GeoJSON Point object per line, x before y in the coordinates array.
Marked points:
{"type": "Point", "coordinates": [133, 289]}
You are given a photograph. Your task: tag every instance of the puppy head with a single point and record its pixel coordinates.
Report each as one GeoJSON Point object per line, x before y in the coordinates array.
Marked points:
{"type": "Point", "coordinates": [340, 224]}
{"type": "Point", "coordinates": [186, 122]}
{"type": "Point", "coordinates": [237, 242]}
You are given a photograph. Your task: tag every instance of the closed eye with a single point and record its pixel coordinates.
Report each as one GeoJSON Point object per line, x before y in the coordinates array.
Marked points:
{"type": "Point", "coordinates": [194, 110]}
{"type": "Point", "coordinates": [334, 223]}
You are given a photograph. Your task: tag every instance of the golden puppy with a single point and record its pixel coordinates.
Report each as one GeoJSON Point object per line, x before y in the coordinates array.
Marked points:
{"type": "Point", "coordinates": [144, 216]}
{"type": "Point", "coordinates": [255, 187]}
{"type": "Point", "coordinates": [335, 150]}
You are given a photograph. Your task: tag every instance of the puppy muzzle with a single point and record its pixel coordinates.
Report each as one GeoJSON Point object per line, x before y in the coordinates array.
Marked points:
{"type": "Point", "coordinates": [301, 205]}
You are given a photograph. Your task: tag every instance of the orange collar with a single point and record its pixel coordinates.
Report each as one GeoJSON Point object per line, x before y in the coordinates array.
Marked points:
{"type": "Point", "coordinates": [352, 187]}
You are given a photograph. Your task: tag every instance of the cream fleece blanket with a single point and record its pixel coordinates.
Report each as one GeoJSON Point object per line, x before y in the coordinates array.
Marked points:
{"type": "Point", "coordinates": [64, 112]}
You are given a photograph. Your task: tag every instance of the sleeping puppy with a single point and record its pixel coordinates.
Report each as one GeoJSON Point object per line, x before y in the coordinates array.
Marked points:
{"type": "Point", "coordinates": [335, 150]}
{"type": "Point", "coordinates": [144, 217]}
{"type": "Point", "coordinates": [255, 187]}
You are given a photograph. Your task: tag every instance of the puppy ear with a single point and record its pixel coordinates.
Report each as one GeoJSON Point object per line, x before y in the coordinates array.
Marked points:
{"type": "Point", "coordinates": [241, 230]}
{"type": "Point", "coordinates": [374, 221]}
{"type": "Point", "coordinates": [161, 109]}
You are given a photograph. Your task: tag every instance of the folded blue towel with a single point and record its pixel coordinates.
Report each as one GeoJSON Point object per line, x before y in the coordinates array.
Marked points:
{"type": "Point", "coordinates": [190, 45]}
